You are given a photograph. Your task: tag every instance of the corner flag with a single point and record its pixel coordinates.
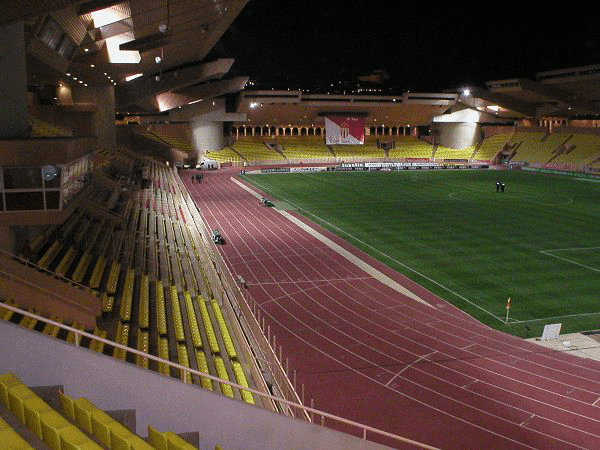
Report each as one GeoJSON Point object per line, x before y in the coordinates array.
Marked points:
{"type": "Point", "coordinates": [508, 303]}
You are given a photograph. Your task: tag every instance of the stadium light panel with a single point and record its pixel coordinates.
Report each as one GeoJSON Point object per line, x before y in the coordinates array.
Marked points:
{"type": "Point", "coordinates": [133, 77]}
{"type": "Point", "coordinates": [106, 16]}
{"type": "Point", "coordinates": [115, 55]}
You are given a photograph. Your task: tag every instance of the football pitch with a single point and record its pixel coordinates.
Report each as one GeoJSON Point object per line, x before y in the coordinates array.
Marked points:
{"type": "Point", "coordinates": [450, 231]}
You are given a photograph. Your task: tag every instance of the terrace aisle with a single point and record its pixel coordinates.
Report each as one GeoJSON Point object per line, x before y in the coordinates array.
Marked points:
{"type": "Point", "coordinates": [370, 353]}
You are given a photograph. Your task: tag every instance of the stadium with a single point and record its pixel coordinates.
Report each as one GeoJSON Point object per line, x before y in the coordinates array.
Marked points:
{"type": "Point", "coordinates": [192, 259]}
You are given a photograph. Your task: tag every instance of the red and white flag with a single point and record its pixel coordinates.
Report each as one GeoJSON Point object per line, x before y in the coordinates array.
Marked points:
{"type": "Point", "coordinates": [344, 130]}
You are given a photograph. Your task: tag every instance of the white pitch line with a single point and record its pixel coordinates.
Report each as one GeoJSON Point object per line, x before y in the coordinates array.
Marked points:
{"type": "Point", "coordinates": [569, 261]}
{"type": "Point", "coordinates": [569, 249]}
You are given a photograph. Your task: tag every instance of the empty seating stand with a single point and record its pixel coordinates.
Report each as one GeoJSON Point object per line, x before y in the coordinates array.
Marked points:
{"type": "Point", "coordinates": [46, 423]}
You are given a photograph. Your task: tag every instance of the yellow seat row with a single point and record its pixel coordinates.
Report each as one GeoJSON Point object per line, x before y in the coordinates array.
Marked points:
{"type": "Point", "coordinates": [161, 315]}
{"type": "Point", "coordinates": [73, 337]}
{"type": "Point", "coordinates": [210, 332]}
{"type": "Point", "coordinates": [111, 433]}
{"type": "Point", "coordinates": [50, 426]}
{"type": "Point", "coordinates": [176, 313]}
{"type": "Point", "coordinates": [192, 320]}
{"type": "Point", "coordinates": [182, 357]}
{"type": "Point", "coordinates": [6, 314]}
{"type": "Point", "coordinates": [82, 266]}
{"type": "Point", "coordinates": [229, 347]}
{"type": "Point", "coordinates": [127, 297]}
{"type": "Point", "coordinates": [144, 313]}
{"type": "Point", "coordinates": [113, 278]}
{"type": "Point", "coordinates": [203, 367]}
{"type": "Point", "coordinates": [222, 373]}
{"type": "Point", "coordinates": [52, 330]}
{"type": "Point", "coordinates": [108, 302]}
{"type": "Point", "coordinates": [167, 440]}
{"type": "Point", "coordinates": [65, 262]}
{"type": "Point", "coordinates": [163, 352]}
{"type": "Point", "coordinates": [122, 337]}
{"type": "Point", "coordinates": [49, 255]}
{"type": "Point", "coordinates": [97, 345]}
{"type": "Point", "coordinates": [29, 322]}
{"type": "Point", "coordinates": [143, 345]}
{"type": "Point", "coordinates": [240, 377]}
{"type": "Point", "coordinates": [97, 272]}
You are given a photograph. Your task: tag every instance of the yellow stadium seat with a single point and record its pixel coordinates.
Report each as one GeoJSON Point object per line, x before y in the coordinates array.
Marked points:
{"type": "Point", "coordinates": [35, 407]}
{"type": "Point", "coordinates": [101, 423]}
{"type": "Point", "coordinates": [119, 437]}
{"type": "Point", "coordinates": [72, 438]}
{"type": "Point", "coordinates": [66, 405]}
{"type": "Point", "coordinates": [157, 439]}
{"type": "Point", "coordinates": [144, 317]}
{"type": "Point", "coordinates": [83, 414]}
{"type": "Point", "coordinates": [52, 425]}
{"type": "Point", "coordinates": [203, 367]}
{"type": "Point", "coordinates": [176, 443]}
{"type": "Point", "coordinates": [108, 302]}
{"type": "Point", "coordinates": [17, 395]}
{"type": "Point", "coordinates": [161, 316]}
{"type": "Point", "coordinates": [7, 380]}
{"type": "Point", "coordinates": [222, 373]}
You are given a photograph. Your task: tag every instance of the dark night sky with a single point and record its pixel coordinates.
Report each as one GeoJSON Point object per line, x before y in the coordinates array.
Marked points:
{"type": "Point", "coordinates": [423, 47]}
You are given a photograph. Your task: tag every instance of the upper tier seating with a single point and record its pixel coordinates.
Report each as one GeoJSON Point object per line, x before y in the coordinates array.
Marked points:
{"type": "Point", "coordinates": [410, 147]}
{"type": "Point", "coordinates": [490, 147]}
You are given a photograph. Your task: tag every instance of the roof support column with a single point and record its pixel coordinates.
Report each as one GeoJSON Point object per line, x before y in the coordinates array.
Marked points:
{"type": "Point", "coordinates": [14, 114]}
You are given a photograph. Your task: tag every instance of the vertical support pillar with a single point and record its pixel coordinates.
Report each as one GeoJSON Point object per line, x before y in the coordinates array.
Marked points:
{"type": "Point", "coordinates": [104, 119]}
{"type": "Point", "coordinates": [14, 113]}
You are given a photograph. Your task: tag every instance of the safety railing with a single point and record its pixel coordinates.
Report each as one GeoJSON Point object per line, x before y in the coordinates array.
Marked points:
{"type": "Point", "coordinates": [79, 334]}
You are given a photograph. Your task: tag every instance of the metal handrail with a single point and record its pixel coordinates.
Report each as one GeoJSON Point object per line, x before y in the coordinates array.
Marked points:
{"type": "Point", "coordinates": [80, 333]}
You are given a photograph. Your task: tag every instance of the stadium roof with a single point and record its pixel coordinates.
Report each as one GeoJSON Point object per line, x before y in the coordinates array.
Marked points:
{"type": "Point", "coordinates": [170, 43]}
{"type": "Point", "coordinates": [100, 42]}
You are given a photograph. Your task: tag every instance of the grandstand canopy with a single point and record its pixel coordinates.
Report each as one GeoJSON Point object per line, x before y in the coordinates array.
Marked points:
{"type": "Point", "coordinates": [567, 92]}
{"type": "Point", "coordinates": [164, 43]}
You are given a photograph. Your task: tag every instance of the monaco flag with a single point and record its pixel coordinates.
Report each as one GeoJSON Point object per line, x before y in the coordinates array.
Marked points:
{"type": "Point", "coordinates": [344, 130]}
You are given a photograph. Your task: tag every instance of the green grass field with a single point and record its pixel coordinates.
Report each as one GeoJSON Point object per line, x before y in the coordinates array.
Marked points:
{"type": "Point", "coordinates": [450, 231]}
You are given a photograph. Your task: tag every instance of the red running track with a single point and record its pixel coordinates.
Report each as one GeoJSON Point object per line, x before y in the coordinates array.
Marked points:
{"type": "Point", "coordinates": [368, 353]}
